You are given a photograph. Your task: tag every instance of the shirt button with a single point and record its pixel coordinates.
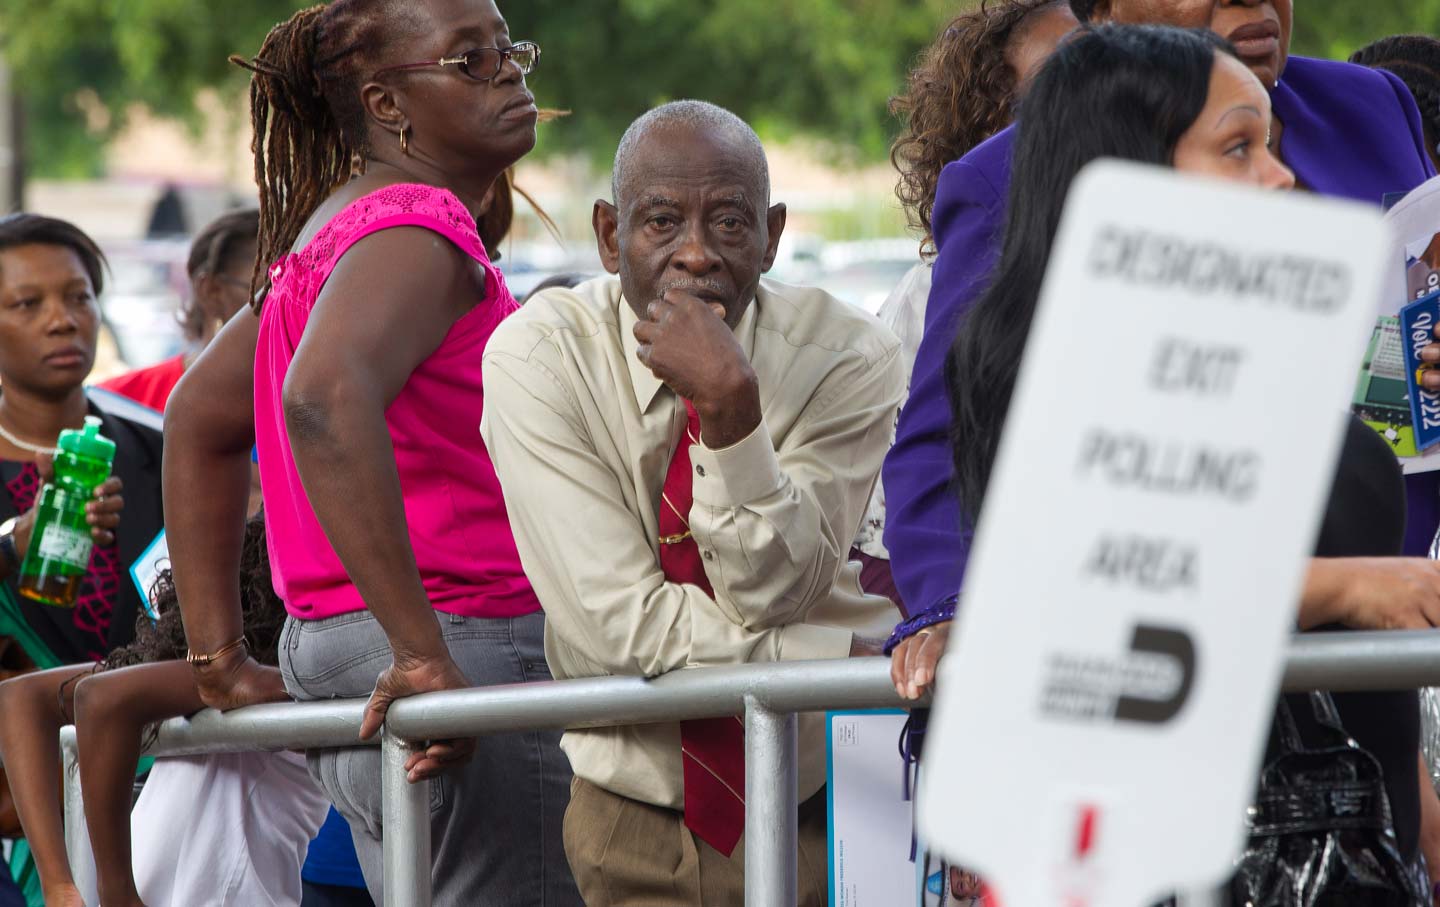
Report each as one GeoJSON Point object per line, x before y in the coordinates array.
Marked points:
{"type": "Point", "coordinates": [709, 555]}
{"type": "Point", "coordinates": [699, 470]}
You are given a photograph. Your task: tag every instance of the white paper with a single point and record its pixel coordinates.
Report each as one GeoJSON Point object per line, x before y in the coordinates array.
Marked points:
{"type": "Point", "coordinates": [870, 819]}
{"type": "Point", "coordinates": [1123, 620]}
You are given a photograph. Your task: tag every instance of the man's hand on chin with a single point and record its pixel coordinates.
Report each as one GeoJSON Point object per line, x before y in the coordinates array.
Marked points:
{"type": "Point", "coordinates": [686, 342]}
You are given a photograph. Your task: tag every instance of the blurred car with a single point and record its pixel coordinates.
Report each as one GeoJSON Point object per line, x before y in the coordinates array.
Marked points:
{"type": "Point", "coordinates": [865, 273]}
{"type": "Point", "coordinates": [146, 285]}
{"type": "Point", "coordinates": [528, 264]}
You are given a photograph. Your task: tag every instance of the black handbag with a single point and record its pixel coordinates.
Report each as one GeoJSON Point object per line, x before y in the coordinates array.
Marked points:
{"type": "Point", "coordinates": [1321, 834]}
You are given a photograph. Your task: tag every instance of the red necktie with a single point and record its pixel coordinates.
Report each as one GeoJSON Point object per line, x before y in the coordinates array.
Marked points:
{"type": "Point", "coordinates": [711, 749]}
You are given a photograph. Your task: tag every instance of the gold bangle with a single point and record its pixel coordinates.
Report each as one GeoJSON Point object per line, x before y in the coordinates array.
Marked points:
{"type": "Point", "coordinates": [200, 661]}
{"type": "Point", "coordinates": [924, 631]}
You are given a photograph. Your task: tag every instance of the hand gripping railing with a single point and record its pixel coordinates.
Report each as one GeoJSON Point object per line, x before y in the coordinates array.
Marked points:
{"type": "Point", "coordinates": [768, 695]}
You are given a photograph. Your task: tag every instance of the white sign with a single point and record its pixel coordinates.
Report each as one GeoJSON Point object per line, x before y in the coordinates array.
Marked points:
{"type": "Point", "coordinates": [869, 813]}
{"type": "Point", "coordinates": [1170, 447]}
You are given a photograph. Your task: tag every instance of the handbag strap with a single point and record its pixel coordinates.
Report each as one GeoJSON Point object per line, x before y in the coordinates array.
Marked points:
{"type": "Point", "coordinates": [1290, 739]}
{"type": "Point", "coordinates": [1327, 716]}
{"type": "Point", "coordinates": [1327, 719]}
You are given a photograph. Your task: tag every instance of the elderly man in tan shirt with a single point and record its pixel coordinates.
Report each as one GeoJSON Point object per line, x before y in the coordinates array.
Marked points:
{"type": "Point", "coordinates": [686, 453]}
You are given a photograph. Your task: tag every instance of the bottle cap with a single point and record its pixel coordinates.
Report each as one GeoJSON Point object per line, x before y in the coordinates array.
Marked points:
{"type": "Point", "coordinates": [88, 442]}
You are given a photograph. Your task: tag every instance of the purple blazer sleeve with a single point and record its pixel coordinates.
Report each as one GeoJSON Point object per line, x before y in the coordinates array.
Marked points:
{"type": "Point", "coordinates": [923, 529]}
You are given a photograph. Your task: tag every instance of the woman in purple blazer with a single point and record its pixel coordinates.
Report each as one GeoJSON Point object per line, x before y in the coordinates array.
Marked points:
{"type": "Point", "coordinates": [1344, 130]}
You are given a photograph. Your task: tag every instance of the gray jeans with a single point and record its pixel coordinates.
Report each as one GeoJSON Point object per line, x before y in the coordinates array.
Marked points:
{"type": "Point", "coordinates": [496, 823]}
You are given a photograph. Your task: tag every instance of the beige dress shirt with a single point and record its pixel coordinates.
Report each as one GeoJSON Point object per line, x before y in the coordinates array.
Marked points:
{"type": "Point", "coordinates": [582, 435]}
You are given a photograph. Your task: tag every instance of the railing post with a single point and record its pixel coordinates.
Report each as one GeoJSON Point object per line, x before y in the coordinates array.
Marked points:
{"type": "Point", "coordinates": [771, 806]}
{"type": "Point", "coordinates": [406, 829]}
{"type": "Point", "coordinates": [77, 836]}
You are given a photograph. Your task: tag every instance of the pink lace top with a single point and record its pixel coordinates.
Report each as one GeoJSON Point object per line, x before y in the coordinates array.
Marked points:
{"type": "Point", "coordinates": [453, 506]}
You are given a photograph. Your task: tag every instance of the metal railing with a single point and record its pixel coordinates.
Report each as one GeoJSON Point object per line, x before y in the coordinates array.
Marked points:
{"type": "Point", "coordinates": [768, 695]}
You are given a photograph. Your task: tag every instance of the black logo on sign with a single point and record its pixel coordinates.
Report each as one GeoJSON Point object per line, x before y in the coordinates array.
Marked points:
{"type": "Point", "coordinates": [1148, 684]}
{"type": "Point", "coordinates": [1175, 645]}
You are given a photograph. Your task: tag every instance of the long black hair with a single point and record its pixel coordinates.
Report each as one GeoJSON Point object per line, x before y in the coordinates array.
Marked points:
{"type": "Point", "coordinates": [1119, 91]}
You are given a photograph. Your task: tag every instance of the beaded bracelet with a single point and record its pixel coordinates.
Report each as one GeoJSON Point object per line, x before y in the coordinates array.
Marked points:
{"type": "Point", "coordinates": [942, 612]}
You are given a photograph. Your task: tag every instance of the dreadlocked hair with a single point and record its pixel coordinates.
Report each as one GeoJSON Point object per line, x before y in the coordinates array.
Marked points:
{"type": "Point", "coordinates": [1414, 60]}
{"type": "Point", "coordinates": [309, 124]}
{"type": "Point", "coordinates": [262, 612]}
{"type": "Point", "coordinates": [961, 92]}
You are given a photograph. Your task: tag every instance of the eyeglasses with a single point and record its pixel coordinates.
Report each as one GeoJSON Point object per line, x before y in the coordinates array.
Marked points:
{"type": "Point", "coordinates": [483, 63]}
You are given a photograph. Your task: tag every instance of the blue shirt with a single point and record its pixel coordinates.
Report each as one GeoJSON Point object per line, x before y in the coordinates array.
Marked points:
{"type": "Point", "coordinates": [331, 859]}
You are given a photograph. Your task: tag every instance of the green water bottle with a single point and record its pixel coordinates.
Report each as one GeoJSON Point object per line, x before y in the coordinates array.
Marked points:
{"type": "Point", "coordinates": [60, 544]}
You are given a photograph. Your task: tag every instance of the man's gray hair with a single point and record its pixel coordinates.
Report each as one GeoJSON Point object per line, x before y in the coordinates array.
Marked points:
{"type": "Point", "coordinates": [698, 116]}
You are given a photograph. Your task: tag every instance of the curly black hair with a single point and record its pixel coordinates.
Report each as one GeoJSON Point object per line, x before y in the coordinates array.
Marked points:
{"type": "Point", "coordinates": [262, 611]}
{"type": "Point", "coordinates": [1415, 60]}
{"type": "Point", "coordinates": [961, 92]}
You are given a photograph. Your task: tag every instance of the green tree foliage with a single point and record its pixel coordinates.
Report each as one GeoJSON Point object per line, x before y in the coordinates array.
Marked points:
{"type": "Point", "coordinates": [824, 68]}
{"type": "Point", "coordinates": [80, 65]}
{"type": "Point", "coordinates": [1337, 28]}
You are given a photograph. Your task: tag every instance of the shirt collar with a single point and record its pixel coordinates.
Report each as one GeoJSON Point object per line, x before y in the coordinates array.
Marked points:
{"type": "Point", "coordinates": [643, 381]}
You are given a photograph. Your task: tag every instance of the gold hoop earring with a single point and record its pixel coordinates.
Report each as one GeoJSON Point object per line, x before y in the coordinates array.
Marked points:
{"type": "Point", "coordinates": [405, 140]}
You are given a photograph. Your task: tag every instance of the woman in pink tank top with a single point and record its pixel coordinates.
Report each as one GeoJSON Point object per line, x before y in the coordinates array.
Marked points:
{"type": "Point", "coordinates": [381, 128]}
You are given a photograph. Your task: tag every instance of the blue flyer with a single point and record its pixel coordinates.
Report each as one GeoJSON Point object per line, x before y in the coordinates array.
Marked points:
{"type": "Point", "coordinates": [1417, 326]}
{"type": "Point", "coordinates": [147, 568]}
